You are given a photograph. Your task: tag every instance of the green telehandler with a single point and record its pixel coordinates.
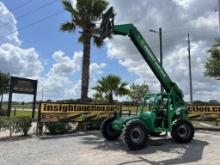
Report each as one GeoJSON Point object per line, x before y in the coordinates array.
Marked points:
{"type": "Point", "coordinates": [167, 111]}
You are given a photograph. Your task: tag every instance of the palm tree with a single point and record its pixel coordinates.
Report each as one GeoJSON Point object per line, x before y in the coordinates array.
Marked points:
{"type": "Point", "coordinates": [109, 86]}
{"type": "Point", "coordinates": [212, 65]}
{"type": "Point", "coordinates": [84, 16]}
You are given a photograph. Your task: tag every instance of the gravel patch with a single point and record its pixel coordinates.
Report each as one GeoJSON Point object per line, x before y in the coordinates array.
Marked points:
{"type": "Point", "coordinates": [91, 149]}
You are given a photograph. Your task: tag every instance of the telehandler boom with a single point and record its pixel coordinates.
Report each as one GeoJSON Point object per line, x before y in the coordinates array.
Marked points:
{"type": "Point", "coordinates": [167, 110]}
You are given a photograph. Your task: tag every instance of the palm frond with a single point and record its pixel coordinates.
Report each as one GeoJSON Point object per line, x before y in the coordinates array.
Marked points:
{"type": "Point", "coordinates": [69, 7]}
{"type": "Point", "coordinates": [98, 41]}
{"type": "Point", "coordinates": [112, 85]}
{"type": "Point", "coordinates": [68, 26]}
{"type": "Point", "coordinates": [98, 7]}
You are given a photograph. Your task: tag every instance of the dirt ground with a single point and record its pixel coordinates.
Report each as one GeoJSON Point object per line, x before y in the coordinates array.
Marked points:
{"type": "Point", "coordinates": [90, 148]}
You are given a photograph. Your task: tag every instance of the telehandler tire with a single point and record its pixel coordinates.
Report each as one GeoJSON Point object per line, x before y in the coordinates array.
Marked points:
{"type": "Point", "coordinates": [182, 131]}
{"type": "Point", "coordinates": [107, 131]}
{"type": "Point", "coordinates": [135, 135]}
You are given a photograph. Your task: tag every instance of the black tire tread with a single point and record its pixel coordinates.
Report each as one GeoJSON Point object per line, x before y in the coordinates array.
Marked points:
{"type": "Point", "coordinates": [104, 131]}
{"type": "Point", "coordinates": [174, 133]}
{"type": "Point", "coordinates": [125, 135]}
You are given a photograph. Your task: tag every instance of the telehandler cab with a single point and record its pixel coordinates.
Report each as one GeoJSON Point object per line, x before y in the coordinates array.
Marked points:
{"type": "Point", "coordinates": [167, 111]}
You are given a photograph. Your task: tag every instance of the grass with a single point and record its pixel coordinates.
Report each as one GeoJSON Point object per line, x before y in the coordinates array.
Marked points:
{"type": "Point", "coordinates": [23, 113]}
{"type": "Point", "coordinates": [19, 106]}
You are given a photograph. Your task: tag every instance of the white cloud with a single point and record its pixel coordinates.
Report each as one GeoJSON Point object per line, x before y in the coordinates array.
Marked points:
{"type": "Point", "coordinates": [20, 62]}
{"type": "Point", "coordinates": [59, 84]}
{"type": "Point", "coordinates": [74, 3]}
{"type": "Point", "coordinates": [8, 29]}
{"type": "Point", "coordinates": [184, 3]}
{"type": "Point", "coordinates": [176, 18]}
{"type": "Point", "coordinates": [13, 58]}
{"type": "Point", "coordinates": [75, 90]}
{"type": "Point", "coordinates": [178, 59]}
{"type": "Point", "coordinates": [207, 21]}
{"type": "Point", "coordinates": [65, 65]}
{"type": "Point", "coordinates": [96, 68]}
{"type": "Point", "coordinates": [59, 81]}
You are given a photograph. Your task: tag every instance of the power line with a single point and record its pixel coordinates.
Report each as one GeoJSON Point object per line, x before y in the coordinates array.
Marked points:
{"type": "Point", "coordinates": [33, 11]}
{"type": "Point", "coordinates": [34, 23]}
{"type": "Point", "coordinates": [30, 12]}
{"type": "Point", "coordinates": [19, 6]}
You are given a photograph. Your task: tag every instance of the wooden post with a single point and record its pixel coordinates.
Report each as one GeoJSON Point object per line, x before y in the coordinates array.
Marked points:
{"type": "Point", "coordinates": [9, 103]}
{"type": "Point", "coordinates": [34, 100]}
{"type": "Point", "coordinates": [33, 106]}
{"type": "Point", "coordinates": [39, 129]}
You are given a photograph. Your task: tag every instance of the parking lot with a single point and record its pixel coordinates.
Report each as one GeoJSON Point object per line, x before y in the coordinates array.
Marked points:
{"type": "Point", "coordinates": [91, 148]}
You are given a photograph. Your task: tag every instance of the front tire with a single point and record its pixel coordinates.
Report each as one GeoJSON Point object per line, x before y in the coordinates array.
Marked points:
{"type": "Point", "coordinates": [107, 131]}
{"type": "Point", "coordinates": [182, 131]}
{"type": "Point", "coordinates": [135, 135]}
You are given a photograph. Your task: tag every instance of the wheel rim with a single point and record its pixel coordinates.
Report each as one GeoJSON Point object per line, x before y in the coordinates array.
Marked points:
{"type": "Point", "coordinates": [137, 135]}
{"type": "Point", "coordinates": [183, 131]}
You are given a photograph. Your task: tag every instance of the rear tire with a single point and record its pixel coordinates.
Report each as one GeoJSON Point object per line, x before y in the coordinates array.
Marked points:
{"type": "Point", "coordinates": [182, 131]}
{"type": "Point", "coordinates": [107, 131]}
{"type": "Point", "coordinates": [135, 135]}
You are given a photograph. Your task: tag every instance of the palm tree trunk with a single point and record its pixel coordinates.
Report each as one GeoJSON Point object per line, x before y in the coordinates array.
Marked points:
{"type": "Point", "coordinates": [110, 98]}
{"type": "Point", "coordinates": [85, 69]}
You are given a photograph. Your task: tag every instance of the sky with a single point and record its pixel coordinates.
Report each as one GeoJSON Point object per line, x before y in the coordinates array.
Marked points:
{"type": "Point", "coordinates": [32, 46]}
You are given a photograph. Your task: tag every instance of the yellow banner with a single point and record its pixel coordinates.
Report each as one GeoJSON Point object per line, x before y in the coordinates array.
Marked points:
{"type": "Point", "coordinates": [204, 109]}
{"type": "Point", "coordinates": [51, 112]}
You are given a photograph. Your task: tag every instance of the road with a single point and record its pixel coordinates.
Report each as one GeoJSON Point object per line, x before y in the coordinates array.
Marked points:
{"type": "Point", "coordinates": [91, 149]}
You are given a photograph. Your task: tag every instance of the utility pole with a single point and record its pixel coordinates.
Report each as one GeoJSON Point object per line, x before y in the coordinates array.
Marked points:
{"type": "Point", "coordinates": [42, 95]}
{"type": "Point", "coordinates": [161, 50]}
{"type": "Point", "coordinates": [161, 54]}
{"type": "Point", "coordinates": [190, 71]}
{"type": "Point", "coordinates": [219, 13]}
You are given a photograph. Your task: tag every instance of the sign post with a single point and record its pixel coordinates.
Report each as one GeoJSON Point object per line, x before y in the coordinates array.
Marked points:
{"type": "Point", "coordinates": [22, 86]}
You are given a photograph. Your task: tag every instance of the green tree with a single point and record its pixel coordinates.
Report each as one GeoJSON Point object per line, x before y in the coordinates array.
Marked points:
{"type": "Point", "coordinates": [4, 82]}
{"type": "Point", "coordinates": [138, 91]}
{"type": "Point", "coordinates": [84, 16]}
{"type": "Point", "coordinates": [110, 86]}
{"type": "Point", "coordinates": [212, 66]}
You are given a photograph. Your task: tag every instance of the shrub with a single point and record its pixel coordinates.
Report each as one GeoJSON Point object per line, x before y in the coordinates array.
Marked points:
{"type": "Point", "coordinates": [58, 127]}
{"type": "Point", "coordinates": [23, 124]}
{"type": "Point", "coordinates": [15, 124]}
{"type": "Point", "coordinates": [3, 121]}
{"type": "Point", "coordinates": [3, 112]}
{"type": "Point", "coordinates": [11, 125]}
